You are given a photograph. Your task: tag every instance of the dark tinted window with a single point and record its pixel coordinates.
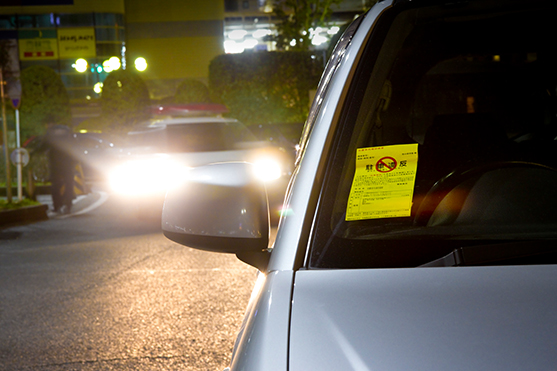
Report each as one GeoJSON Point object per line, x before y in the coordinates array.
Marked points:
{"type": "Point", "coordinates": [75, 20]}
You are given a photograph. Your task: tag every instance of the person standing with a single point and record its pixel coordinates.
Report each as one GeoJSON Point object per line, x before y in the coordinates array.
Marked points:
{"type": "Point", "coordinates": [61, 167]}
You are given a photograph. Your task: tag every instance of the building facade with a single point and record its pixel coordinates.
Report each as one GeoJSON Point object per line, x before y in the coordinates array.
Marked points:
{"type": "Point", "coordinates": [248, 23]}
{"type": "Point", "coordinates": [83, 40]}
{"type": "Point", "coordinates": [178, 39]}
{"type": "Point", "coordinates": [58, 34]}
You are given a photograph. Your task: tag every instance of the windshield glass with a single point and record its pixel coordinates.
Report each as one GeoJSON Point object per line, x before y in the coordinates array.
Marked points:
{"type": "Point", "coordinates": [448, 142]}
{"type": "Point", "coordinates": [192, 137]}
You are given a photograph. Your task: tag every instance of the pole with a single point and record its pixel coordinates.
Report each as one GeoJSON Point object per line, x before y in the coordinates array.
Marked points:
{"type": "Point", "coordinates": [19, 164]}
{"type": "Point", "coordinates": [5, 139]}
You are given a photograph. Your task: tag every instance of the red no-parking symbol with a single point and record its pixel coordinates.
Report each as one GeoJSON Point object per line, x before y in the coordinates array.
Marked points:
{"type": "Point", "coordinates": [386, 164]}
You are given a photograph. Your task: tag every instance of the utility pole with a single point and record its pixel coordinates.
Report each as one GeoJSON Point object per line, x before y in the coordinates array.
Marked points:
{"type": "Point", "coordinates": [5, 140]}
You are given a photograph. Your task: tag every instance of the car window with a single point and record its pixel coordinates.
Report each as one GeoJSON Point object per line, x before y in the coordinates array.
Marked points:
{"type": "Point", "coordinates": [448, 141]}
{"type": "Point", "coordinates": [193, 137]}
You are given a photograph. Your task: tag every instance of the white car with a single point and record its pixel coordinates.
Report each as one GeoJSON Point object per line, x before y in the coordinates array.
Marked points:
{"type": "Point", "coordinates": [421, 231]}
{"type": "Point", "coordinates": [160, 150]}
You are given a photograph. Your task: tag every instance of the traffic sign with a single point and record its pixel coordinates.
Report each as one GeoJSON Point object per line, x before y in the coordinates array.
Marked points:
{"type": "Point", "coordinates": [14, 91]}
{"type": "Point", "coordinates": [19, 156]}
{"type": "Point", "coordinates": [386, 164]}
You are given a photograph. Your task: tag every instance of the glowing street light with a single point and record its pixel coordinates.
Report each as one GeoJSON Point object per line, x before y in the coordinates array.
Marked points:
{"type": "Point", "coordinates": [98, 87]}
{"type": "Point", "coordinates": [140, 64]}
{"type": "Point", "coordinates": [80, 65]}
{"type": "Point", "coordinates": [111, 64]}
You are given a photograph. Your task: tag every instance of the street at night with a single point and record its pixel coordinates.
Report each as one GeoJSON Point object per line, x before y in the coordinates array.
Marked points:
{"type": "Point", "coordinates": [103, 290]}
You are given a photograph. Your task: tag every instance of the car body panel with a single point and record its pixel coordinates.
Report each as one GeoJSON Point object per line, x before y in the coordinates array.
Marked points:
{"type": "Point", "coordinates": [467, 318]}
{"type": "Point", "coordinates": [262, 343]}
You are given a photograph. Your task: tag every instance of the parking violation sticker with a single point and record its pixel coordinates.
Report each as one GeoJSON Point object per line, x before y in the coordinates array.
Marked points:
{"type": "Point", "coordinates": [383, 183]}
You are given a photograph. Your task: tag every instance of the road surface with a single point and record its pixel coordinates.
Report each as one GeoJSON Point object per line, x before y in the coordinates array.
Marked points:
{"type": "Point", "coordinates": [103, 290]}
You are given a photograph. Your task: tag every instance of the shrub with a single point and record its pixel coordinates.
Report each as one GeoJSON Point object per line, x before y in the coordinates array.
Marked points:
{"type": "Point", "coordinates": [124, 101]}
{"type": "Point", "coordinates": [44, 100]}
{"type": "Point", "coordinates": [192, 91]}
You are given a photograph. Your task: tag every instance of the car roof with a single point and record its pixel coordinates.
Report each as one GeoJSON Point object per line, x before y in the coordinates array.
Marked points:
{"type": "Point", "coordinates": [191, 120]}
{"type": "Point", "coordinates": [161, 123]}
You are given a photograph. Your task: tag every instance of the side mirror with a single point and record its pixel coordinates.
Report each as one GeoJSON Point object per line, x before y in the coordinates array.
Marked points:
{"type": "Point", "coordinates": [220, 207]}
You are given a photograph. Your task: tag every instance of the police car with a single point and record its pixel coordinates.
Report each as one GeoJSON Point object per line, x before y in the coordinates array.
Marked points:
{"type": "Point", "coordinates": [160, 152]}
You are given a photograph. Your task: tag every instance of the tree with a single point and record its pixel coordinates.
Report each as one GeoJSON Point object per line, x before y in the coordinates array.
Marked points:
{"type": "Point", "coordinates": [192, 91]}
{"type": "Point", "coordinates": [296, 18]}
{"type": "Point", "coordinates": [44, 100]}
{"type": "Point", "coordinates": [261, 88]}
{"type": "Point", "coordinates": [124, 101]}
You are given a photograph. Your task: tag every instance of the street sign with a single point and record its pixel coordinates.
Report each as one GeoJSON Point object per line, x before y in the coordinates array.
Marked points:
{"type": "Point", "coordinates": [14, 91]}
{"type": "Point", "coordinates": [20, 156]}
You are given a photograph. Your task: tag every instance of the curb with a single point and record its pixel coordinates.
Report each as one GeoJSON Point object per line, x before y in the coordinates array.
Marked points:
{"type": "Point", "coordinates": [23, 215]}
{"type": "Point", "coordinates": [31, 214]}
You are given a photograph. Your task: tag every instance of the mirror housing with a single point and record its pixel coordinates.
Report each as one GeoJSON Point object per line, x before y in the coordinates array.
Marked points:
{"type": "Point", "coordinates": [220, 207]}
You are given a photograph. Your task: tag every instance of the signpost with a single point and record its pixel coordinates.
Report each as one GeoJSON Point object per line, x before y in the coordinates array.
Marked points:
{"type": "Point", "coordinates": [5, 139]}
{"type": "Point", "coordinates": [14, 92]}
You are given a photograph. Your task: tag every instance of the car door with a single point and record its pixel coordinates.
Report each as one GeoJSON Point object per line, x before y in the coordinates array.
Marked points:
{"type": "Point", "coordinates": [425, 243]}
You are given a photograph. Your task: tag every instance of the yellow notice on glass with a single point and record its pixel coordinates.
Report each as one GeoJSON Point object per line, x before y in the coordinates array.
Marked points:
{"type": "Point", "coordinates": [384, 181]}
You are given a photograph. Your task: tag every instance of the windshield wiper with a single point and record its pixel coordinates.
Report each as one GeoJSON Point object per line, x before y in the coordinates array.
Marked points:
{"type": "Point", "coordinates": [511, 253]}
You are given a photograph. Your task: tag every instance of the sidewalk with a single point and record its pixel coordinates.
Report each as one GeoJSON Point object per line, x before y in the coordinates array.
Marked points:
{"type": "Point", "coordinates": [31, 214]}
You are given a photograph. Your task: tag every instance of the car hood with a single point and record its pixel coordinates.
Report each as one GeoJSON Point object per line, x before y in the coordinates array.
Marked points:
{"type": "Point", "coordinates": [466, 318]}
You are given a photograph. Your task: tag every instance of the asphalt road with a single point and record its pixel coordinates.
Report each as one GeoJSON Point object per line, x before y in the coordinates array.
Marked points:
{"type": "Point", "coordinates": [102, 290]}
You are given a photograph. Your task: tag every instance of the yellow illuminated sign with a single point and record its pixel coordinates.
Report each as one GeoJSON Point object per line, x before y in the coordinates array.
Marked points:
{"type": "Point", "coordinates": [38, 48]}
{"type": "Point", "coordinates": [383, 183]}
{"type": "Point", "coordinates": [77, 42]}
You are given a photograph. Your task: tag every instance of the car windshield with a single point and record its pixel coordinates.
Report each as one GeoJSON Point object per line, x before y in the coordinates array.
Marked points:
{"type": "Point", "coordinates": [448, 142]}
{"type": "Point", "coordinates": [192, 137]}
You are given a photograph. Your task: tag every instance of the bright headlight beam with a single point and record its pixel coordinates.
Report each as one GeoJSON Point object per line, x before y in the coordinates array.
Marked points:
{"type": "Point", "coordinates": [147, 177]}
{"type": "Point", "coordinates": [267, 169]}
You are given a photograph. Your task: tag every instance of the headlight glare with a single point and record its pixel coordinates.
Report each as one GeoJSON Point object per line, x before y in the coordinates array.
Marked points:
{"type": "Point", "coordinates": [146, 177]}
{"type": "Point", "coordinates": [267, 169]}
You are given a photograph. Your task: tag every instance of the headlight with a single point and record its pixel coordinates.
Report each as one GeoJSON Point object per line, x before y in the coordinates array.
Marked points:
{"type": "Point", "coordinates": [267, 169]}
{"type": "Point", "coordinates": [145, 177]}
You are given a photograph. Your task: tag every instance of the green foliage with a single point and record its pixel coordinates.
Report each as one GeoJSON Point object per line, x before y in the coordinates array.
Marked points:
{"type": "Point", "coordinates": [296, 18]}
{"type": "Point", "coordinates": [192, 91]}
{"type": "Point", "coordinates": [124, 101]}
{"type": "Point", "coordinates": [5, 205]}
{"type": "Point", "coordinates": [265, 87]}
{"type": "Point", "coordinates": [44, 100]}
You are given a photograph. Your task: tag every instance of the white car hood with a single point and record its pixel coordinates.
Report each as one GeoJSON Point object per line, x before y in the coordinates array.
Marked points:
{"type": "Point", "coordinates": [466, 318]}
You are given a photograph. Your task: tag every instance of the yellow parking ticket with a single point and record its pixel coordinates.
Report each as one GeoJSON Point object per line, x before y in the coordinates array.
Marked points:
{"type": "Point", "coordinates": [383, 183]}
